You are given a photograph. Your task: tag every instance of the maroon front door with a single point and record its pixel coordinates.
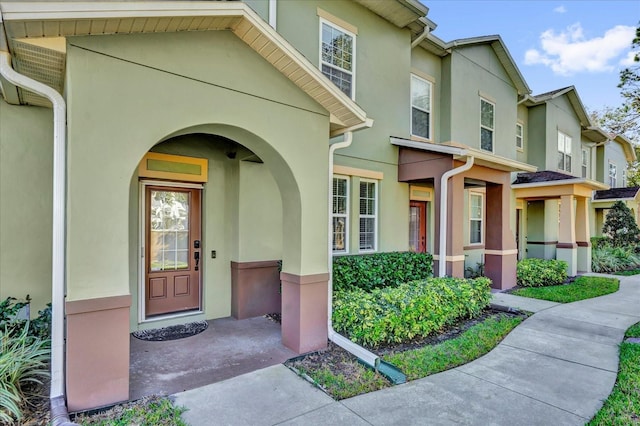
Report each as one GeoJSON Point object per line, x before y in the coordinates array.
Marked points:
{"type": "Point", "coordinates": [418, 226]}
{"type": "Point", "coordinates": [172, 250]}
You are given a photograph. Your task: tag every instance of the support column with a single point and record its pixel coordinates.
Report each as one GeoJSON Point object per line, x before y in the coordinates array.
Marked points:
{"type": "Point", "coordinates": [97, 366]}
{"type": "Point", "coordinates": [304, 311]}
{"type": "Point", "coordinates": [501, 254]}
{"type": "Point", "coordinates": [455, 223]}
{"type": "Point", "coordinates": [583, 236]}
{"type": "Point", "coordinates": [567, 249]}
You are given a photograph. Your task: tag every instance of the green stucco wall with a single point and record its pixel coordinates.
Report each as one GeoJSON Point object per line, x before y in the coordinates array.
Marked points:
{"type": "Point", "coordinates": [127, 93]}
{"type": "Point", "coordinates": [537, 137]}
{"type": "Point", "coordinates": [26, 172]}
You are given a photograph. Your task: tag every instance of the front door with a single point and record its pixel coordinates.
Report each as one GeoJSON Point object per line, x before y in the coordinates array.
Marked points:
{"type": "Point", "coordinates": [418, 226]}
{"type": "Point", "coordinates": [172, 250]}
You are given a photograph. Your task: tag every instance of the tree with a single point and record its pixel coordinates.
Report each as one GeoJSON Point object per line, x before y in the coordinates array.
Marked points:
{"type": "Point", "coordinates": [621, 227]}
{"type": "Point", "coordinates": [630, 85]}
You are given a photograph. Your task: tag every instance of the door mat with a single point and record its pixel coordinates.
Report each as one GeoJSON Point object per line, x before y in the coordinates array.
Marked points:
{"type": "Point", "coordinates": [172, 332]}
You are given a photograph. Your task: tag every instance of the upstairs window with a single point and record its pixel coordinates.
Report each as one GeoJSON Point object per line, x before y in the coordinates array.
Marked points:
{"type": "Point", "coordinates": [420, 107]}
{"type": "Point", "coordinates": [487, 121]}
{"type": "Point", "coordinates": [585, 163]}
{"type": "Point", "coordinates": [519, 137]}
{"type": "Point", "coordinates": [368, 214]}
{"type": "Point", "coordinates": [564, 152]}
{"type": "Point", "coordinates": [476, 216]}
{"type": "Point", "coordinates": [340, 214]}
{"type": "Point", "coordinates": [613, 175]}
{"type": "Point", "coordinates": [337, 56]}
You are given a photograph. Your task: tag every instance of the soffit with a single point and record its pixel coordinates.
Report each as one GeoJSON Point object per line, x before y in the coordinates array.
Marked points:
{"type": "Point", "coordinates": [401, 13]}
{"type": "Point", "coordinates": [23, 21]}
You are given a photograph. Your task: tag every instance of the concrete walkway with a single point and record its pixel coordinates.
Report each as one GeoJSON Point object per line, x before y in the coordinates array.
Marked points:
{"type": "Point", "coordinates": [556, 368]}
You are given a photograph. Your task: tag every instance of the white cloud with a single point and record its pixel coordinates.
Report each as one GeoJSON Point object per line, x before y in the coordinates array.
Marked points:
{"type": "Point", "coordinates": [569, 52]}
{"type": "Point", "coordinates": [560, 9]}
{"type": "Point", "coordinates": [628, 61]}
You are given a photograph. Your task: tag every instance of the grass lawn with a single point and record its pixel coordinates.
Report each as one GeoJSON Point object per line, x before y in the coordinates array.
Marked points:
{"type": "Point", "coordinates": [148, 411]}
{"type": "Point", "coordinates": [623, 405]}
{"type": "Point", "coordinates": [582, 288]}
{"type": "Point", "coordinates": [351, 378]}
{"type": "Point", "coordinates": [630, 272]}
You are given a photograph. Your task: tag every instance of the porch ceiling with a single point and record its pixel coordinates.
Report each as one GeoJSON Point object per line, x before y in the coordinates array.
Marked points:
{"type": "Point", "coordinates": [24, 22]}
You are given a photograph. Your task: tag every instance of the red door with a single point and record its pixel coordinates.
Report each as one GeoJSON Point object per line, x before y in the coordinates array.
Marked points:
{"type": "Point", "coordinates": [172, 250]}
{"type": "Point", "coordinates": [418, 226]}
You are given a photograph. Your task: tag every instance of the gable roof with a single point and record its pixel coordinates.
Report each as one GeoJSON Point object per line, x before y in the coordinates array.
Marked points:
{"type": "Point", "coordinates": [573, 97]}
{"type": "Point", "coordinates": [617, 194]}
{"type": "Point", "coordinates": [438, 47]}
{"type": "Point", "coordinates": [25, 20]}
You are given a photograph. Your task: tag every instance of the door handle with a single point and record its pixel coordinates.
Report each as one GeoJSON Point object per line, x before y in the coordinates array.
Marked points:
{"type": "Point", "coordinates": [196, 256]}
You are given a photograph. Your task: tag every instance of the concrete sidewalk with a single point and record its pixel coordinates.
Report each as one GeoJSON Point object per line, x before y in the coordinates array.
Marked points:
{"type": "Point", "coordinates": [556, 368]}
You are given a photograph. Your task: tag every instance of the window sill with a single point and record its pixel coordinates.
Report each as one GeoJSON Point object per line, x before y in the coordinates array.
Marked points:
{"type": "Point", "coordinates": [420, 139]}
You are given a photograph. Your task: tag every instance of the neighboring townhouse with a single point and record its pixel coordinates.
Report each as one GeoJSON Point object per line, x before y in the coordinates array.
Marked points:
{"type": "Point", "coordinates": [207, 141]}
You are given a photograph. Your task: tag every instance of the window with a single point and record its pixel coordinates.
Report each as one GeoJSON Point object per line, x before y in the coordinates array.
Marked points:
{"type": "Point", "coordinates": [337, 56]}
{"type": "Point", "coordinates": [613, 175]}
{"type": "Point", "coordinates": [519, 136]}
{"type": "Point", "coordinates": [585, 163]}
{"type": "Point", "coordinates": [368, 214]}
{"type": "Point", "coordinates": [476, 216]}
{"type": "Point", "coordinates": [340, 216]}
{"type": "Point", "coordinates": [486, 125]}
{"type": "Point", "coordinates": [564, 152]}
{"type": "Point", "coordinates": [420, 107]}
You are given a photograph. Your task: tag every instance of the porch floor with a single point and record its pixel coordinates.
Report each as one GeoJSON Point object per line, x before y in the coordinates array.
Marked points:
{"type": "Point", "coordinates": [227, 348]}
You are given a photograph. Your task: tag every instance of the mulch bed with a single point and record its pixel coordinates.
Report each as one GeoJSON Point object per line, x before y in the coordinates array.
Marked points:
{"type": "Point", "coordinates": [36, 412]}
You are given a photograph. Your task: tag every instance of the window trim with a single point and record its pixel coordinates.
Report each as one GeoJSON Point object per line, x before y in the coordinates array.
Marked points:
{"type": "Point", "coordinates": [374, 216]}
{"type": "Point", "coordinates": [520, 125]}
{"type": "Point", "coordinates": [493, 123]}
{"type": "Point", "coordinates": [565, 153]}
{"type": "Point", "coordinates": [430, 112]}
{"type": "Point", "coordinates": [324, 20]}
{"type": "Point", "coordinates": [345, 215]}
{"type": "Point", "coordinates": [481, 220]}
{"type": "Point", "coordinates": [584, 163]}
{"type": "Point", "coordinates": [613, 166]}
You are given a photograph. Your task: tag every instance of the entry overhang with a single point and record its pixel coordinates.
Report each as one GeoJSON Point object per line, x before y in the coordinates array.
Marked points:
{"type": "Point", "coordinates": [26, 21]}
{"type": "Point", "coordinates": [555, 189]}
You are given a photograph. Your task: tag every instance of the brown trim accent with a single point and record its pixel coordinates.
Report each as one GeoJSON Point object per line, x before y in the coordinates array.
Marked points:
{"type": "Point", "coordinates": [478, 247]}
{"type": "Point", "coordinates": [567, 245]}
{"type": "Point", "coordinates": [583, 243]}
{"type": "Point", "coordinates": [74, 307]}
{"type": "Point", "coordinates": [542, 243]}
{"type": "Point", "coordinates": [304, 279]}
{"type": "Point", "coordinates": [255, 264]}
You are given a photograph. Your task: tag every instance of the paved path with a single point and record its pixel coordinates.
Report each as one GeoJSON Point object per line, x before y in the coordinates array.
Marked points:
{"type": "Point", "coordinates": [555, 368]}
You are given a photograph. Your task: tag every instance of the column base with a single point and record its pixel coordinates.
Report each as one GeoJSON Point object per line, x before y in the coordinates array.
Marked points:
{"type": "Point", "coordinates": [584, 256]}
{"type": "Point", "coordinates": [97, 359]}
{"type": "Point", "coordinates": [255, 289]}
{"type": "Point", "coordinates": [454, 268]}
{"type": "Point", "coordinates": [569, 253]}
{"type": "Point", "coordinates": [304, 311]}
{"type": "Point", "coordinates": [501, 269]}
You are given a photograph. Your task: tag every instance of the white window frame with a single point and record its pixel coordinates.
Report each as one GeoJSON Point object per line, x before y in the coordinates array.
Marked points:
{"type": "Point", "coordinates": [613, 177]}
{"type": "Point", "coordinates": [344, 215]}
{"type": "Point", "coordinates": [565, 151]}
{"type": "Point", "coordinates": [373, 216]}
{"type": "Point", "coordinates": [481, 220]}
{"type": "Point", "coordinates": [353, 55]}
{"type": "Point", "coordinates": [493, 125]}
{"type": "Point", "coordinates": [430, 111]}
{"type": "Point", "coordinates": [520, 137]}
{"type": "Point", "coordinates": [585, 163]}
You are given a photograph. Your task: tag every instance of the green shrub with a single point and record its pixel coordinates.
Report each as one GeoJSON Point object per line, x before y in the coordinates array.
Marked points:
{"type": "Point", "coordinates": [600, 242]}
{"type": "Point", "coordinates": [613, 259]}
{"type": "Point", "coordinates": [410, 310]}
{"type": "Point", "coordinates": [38, 327]}
{"type": "Point", "coordinates": [621, 227]}
{"type": "Point", "coordinates": [540, 272]}
{"type": "Point", "coordinates": [380, 270]}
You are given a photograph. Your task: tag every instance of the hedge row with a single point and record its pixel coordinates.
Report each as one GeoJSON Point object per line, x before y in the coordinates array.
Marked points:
{"type": "Point", "coordinates": [540, 272]}
{"type": "Point", "coordinates": [379, 270]}
{"type": "Point", "coordinates": [410, 310]}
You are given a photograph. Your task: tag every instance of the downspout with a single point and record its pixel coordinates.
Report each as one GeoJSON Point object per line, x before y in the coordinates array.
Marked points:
{"type": "Point", "coordinates": [273, 13]}
{"type": "Point", "coordinates": [421, 37]}
{"type": "Point", "coordinates": [59, 414]}
{"type": "Point", "coordinates": [369, 358]}
{"type": "Point", "coordinates": [444, 183]}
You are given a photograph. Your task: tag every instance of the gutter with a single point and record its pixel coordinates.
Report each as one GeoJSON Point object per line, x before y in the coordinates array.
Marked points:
{"type": "Point", "coordinates": [368, 358]}
{"type": "Point", "coordinates": [59, 414]}
{"type": "Point", "coordinates": [444, 183]}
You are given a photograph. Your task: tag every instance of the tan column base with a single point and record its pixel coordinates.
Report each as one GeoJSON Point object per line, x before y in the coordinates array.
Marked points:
{"type": "Point", "coordinates": [97, 346]}
{"type": "Point", "coordinates": [501, 269]}
{"type": "Point", "coordinates": [255, 289]}
{"type": "Point", "coordinates": [304, 311]}
{"type": "Point", "coordinates": [584, 256]}
{"type": "Point", "coordinates": [569, 253]}
{"type": "Point", "coordinates": [453, 268]}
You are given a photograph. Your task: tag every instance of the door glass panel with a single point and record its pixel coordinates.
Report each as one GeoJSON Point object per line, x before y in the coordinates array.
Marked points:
{"type": "Point", "coordinates": [414, 228]}
{"type": "Point", "coordinates": [169, 239]}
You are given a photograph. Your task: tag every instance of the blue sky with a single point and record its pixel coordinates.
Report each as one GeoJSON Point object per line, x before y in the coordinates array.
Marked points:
{"type": "Point", "coordinates": [555, 43]}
